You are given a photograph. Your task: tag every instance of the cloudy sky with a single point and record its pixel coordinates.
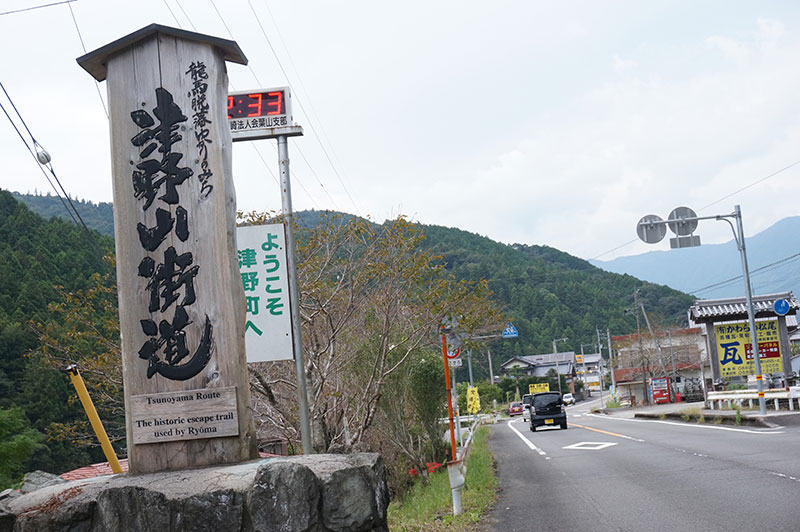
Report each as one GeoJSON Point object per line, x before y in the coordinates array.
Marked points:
{"type": "Point", "coordinates": [558, 123]}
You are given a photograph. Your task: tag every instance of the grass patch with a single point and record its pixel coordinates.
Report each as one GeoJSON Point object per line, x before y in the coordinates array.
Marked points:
{"type": "Point", "coordinates": [430, 508]}
{"type": "Point", "coordinates": [613, 403]}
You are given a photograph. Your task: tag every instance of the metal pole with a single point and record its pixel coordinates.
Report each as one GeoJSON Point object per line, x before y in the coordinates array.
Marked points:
{"type": "Point", "coordinates": [762, 406]}
{"type": "Point", "coordinates": [449, 396]}
{"type": "Point", "coordinates": [558, 366]}
{"type": "Point", "coordinates": [600, 365]}
{"type": "Point", "coordinates": [458, 411]}
{"type": "Point", "coordinates": [491, 372]}
{"type": "Point", "coordinates": [469, 365]}
{"type": "Point", "coordinates": [672, 358]}
{"type": "Point", "coordinates": [611, 361]}
{"type": "Point", "coordinates": [294, 295]}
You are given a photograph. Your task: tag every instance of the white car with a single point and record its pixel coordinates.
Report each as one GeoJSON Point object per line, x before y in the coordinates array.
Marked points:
{"type": "Point", "coordinates": [568, 399]}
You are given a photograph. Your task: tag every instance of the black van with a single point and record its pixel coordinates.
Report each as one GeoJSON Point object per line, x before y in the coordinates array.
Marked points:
{"type": "Point", "coordinates": [547, 410]}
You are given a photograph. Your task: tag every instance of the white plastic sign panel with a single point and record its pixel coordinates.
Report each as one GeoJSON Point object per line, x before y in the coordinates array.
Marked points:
{"type": "Point", "coordinates": [265, 279]}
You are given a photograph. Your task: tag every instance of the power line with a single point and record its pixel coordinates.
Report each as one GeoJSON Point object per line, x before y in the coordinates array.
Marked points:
{"type": "Point", "coordinates": [36, 7]}
{"type": "Point", "coordinates": [300, 103]}
{"type": "Point", "coordinates": [41, 163]}
{"type": "Point", "coordinates": [80, 38]}
{"type": "Point", "coordinates": [185, 15]}
{"type": "Point", "coordinates": [173, 14]}
{"type": "Point", "coordinates": [757, 181]}
{"type": "Point", "coordinates": [762, 269]}
{"type": "Point", "coordinates": [230, 33]}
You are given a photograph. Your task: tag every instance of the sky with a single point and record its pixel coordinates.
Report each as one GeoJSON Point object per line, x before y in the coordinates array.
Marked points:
{"type": "Point", "coordinates": [551, 123]}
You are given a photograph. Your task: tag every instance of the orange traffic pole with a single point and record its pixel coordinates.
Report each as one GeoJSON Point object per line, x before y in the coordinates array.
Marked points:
{"type": "Point", "coordinates": [449, 396]}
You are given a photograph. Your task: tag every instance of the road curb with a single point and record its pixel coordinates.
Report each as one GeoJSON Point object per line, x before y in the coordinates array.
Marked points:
{"type": "Point", "coordinates": [710, 417]}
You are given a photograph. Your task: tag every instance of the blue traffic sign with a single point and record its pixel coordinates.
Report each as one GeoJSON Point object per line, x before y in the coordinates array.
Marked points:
{"type": "Point", "coordinates": [781, 307]}
{"type": "Point", "coordinates": [510, 331]}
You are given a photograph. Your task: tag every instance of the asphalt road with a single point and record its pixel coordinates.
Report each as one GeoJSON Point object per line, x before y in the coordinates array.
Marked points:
{"type": "Point", "coordinates": [616, 473]}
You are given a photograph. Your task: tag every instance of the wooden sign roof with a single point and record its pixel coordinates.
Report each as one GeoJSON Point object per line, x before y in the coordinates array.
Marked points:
{"type": "Point", "coordinates": [95, 62]}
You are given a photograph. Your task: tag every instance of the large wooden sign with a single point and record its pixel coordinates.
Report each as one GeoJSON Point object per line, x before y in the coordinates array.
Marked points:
{"type": "Point", "coordinates": [182, 308]}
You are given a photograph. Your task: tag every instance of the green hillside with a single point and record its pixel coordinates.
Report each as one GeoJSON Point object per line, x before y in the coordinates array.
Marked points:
{"type": "Point", "coordinates": [550, 294]}
{"type": "Point", "coordinates": [36, 256]}
{"type": "Point", "coordinates": [98, 216]}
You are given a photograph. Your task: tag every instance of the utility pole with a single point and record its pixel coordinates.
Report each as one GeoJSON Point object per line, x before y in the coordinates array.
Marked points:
{"type": "Point", "coordinates": [600, 365]}
{"type": "Point", "coordinates": [469, 366]}
{"type": "Point", "coordinates": [558, 365]}
{"type": "Point", "coordinates": [658, 347]}
{"type": "Point", "coordinates": [641, 349]}
{"type": "Point", "coordinates": [491, 372]}
{"type": "Point", "coordinates": [672, 359]}
{"type": "Point", "coordinates": [611, 361]}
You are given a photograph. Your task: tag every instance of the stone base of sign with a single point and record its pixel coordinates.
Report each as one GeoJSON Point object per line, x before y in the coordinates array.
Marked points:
{"type": "Point", "coordinates": [318, 492]}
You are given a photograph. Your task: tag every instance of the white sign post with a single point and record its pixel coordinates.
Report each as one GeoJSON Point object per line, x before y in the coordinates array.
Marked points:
{"type": "Point", "coordinates": [265, 279]}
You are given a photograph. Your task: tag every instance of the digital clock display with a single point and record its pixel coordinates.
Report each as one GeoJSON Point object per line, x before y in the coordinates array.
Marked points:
{"type": "Point", "coordinates": [257, 104]}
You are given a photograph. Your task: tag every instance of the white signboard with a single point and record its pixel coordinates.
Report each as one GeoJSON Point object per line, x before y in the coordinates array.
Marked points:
{"type": "Point", "coordinates": [185, 415]}
{"type": "Point", "coordinates": [265, 279]}
{"type": "Point", "coordinates": [454, 362]}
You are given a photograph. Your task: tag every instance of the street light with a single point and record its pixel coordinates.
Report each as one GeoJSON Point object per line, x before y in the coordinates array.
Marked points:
{"type": "Point", "coordinates": [683, 221]}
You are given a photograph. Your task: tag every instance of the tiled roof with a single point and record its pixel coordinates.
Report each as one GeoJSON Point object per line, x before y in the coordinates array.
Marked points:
{"type": "Point", "coordinates": [94, 470]}
{"type": "Point", "coordinates": [711, 310]}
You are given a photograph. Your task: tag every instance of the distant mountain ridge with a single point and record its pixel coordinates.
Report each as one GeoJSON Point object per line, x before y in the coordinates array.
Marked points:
{"type": "Point", "coordinates": [97, 216]}
{"type": "Point", "coordinates": [713, 271]}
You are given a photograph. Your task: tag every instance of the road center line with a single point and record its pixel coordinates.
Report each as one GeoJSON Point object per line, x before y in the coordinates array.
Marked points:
{"type": "Point", "coordinates": [606, 432]}
{"type": "Point", "coordinates": [690, 425]}
{"type": "Point", "coordinates": [528, 442]}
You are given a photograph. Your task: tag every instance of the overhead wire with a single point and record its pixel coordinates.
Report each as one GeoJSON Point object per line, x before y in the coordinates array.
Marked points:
{"type": "Point", "coordinates": [79, 221]}
{"type": "Point", "coordinates": [83, 46]}
{"type": "Point", "coordinates": [36, 7]}
{"type": "Point", "coordinates": [757, 181]}
{"type": "Point", "coordinates": [255, 77]}
{"type": "Point", "coordinates": [308, 115]}
{"type": "Point", "coordinates": [173, 14]}
{"type": "Point", "coordinates": [185, 15]}
{"type": "Point", "coordinates": [763, 269]}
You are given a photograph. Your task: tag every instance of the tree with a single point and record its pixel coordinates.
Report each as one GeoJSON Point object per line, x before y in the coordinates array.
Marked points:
{"type": "Point", "coordinates": [84, 329]}
{"type": "Point", "coordinates": [370, 300]}
{"type": "Point", "coordinates": [17, 443]}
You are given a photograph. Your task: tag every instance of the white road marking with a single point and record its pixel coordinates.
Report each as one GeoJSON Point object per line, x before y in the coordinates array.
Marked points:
{"type": "Point", "coordinates": [528, 442]}
{"type": "Point", "coordinates": [782, 475]}
{"type": "Point", "coordinates": [697, 426]}
{"type": "Point", "coordinates": [590, 445]}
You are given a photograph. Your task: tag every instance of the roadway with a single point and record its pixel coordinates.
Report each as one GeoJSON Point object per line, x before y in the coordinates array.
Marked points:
{"type": "Point", "coordinates": [617, 473]}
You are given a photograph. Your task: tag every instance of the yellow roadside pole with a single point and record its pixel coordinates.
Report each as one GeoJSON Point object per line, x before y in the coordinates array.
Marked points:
{"type": "Point", "coordinates": [94, 419]}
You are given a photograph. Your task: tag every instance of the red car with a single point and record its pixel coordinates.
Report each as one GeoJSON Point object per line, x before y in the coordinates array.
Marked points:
{"type": "Point", "coordinates": [515, 409]}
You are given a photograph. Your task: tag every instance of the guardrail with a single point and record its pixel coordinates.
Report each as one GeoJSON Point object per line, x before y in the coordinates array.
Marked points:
{"type": "Point", "coordinates": [738, 396]}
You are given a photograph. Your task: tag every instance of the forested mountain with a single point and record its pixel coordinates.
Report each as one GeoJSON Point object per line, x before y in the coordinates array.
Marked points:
{"type": "Point", "coordinates": [36, 256]}
{"type": "Point", "coordinates": [98, 216]}
{"type": "Point", "coordinates": [549, 294]}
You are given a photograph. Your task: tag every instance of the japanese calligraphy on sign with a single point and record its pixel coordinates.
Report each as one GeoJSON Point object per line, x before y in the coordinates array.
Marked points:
{"type": "Point", "coordinates": [262, 263]}
{"type": "Point", "coordinates": [735, 350]}
{"type": "Point", "coordinates": [170, 275]}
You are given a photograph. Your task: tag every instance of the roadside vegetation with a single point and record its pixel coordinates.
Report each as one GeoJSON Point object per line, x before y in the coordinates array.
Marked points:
{"type": "Point", "coordinates": [429, 507]}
